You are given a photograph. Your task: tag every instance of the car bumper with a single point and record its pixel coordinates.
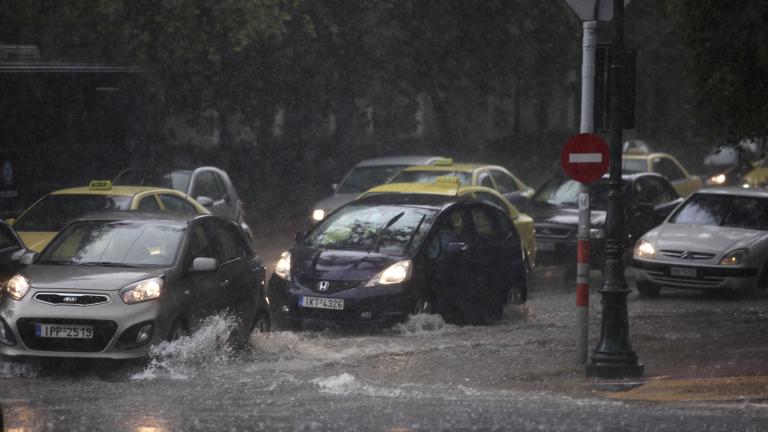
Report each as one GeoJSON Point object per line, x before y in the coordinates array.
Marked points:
{"type": "Point", "coordinates": [115, 327]}
{"type": "Point", "coordinates": [700, 277]}
{"type": "Point", "coordinates": [377, 305]}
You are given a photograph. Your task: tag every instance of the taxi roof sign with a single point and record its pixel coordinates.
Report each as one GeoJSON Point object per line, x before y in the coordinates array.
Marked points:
{"type": "Point", "coordinates": [444, 162]}
{"type": "Point", "coordinates": [100, 185]}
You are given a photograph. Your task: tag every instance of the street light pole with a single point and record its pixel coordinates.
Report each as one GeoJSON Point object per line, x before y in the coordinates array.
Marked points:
{"type": "Point", "coordinates": [614, 357]}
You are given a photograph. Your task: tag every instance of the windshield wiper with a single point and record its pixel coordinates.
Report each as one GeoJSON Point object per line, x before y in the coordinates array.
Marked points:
{"type": "Point", "coordinates": [384, 227]}
{"type": "Point", "coordinates": [416, 230]}
{"type": "Point", "coordinates": [106, 264]}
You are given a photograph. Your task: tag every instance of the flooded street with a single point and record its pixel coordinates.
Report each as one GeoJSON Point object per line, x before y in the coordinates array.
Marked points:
{"type": "Point", "coordinates": [518, 374]}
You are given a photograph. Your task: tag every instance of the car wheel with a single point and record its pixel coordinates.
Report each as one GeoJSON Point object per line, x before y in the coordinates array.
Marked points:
{"type": "Point", "coordinates": [648, 289]}
{"type": "Point", "coordinates": [518, 294]}
{"type": "Point", "coordinates": [178, 330]}
{"type": "Point", "coordinates": [262, 323]}
{"type": "Point", "coordinates": [424, 305]}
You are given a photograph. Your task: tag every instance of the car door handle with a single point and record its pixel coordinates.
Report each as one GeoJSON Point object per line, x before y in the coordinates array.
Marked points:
{"type": "Point", "coordinates": [224, 284]}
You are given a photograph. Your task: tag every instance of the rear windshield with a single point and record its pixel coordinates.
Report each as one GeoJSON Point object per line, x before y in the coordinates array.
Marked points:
{"type": "Point", "coordinates": [361, 179]}
{"type": "Point", "coordinates": [632, 166]}
{"type": "Point", "coordinates": [724, 210]}
{"type": "Point", "coordinates": [561, 191]}
{"type": "Point", "coordinates": [54, 211]}
{"type": "Point", "coordinates": [429, 176]}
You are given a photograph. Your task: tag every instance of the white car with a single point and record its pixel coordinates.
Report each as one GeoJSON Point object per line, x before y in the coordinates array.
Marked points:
{"type": "Point", "coordinates": [716, 239]}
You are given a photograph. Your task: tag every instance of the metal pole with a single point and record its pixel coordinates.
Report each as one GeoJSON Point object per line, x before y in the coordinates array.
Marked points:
{"type": "Point", "coordinates": [614, 357]}
{"type": "Point", "coordinates": [582, 254]}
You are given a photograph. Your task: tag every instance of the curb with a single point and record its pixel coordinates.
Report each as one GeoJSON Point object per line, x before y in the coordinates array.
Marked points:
{"type": "Point", "coordinates": [742, 388]}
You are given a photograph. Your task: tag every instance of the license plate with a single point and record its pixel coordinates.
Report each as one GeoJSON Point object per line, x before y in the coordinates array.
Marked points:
{"type": "Point", "coordinates": [321, 303]}
{"type": "Point", "coordinates": [683, 272]}
{"type": "Point", "coordinates": [544, 246]}
{"type": "Point", "coordinates": [63, 331]}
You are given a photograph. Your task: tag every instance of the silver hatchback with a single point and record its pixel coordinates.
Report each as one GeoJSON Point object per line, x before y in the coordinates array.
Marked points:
{"type": "Point", "coordinates": [110, 286]}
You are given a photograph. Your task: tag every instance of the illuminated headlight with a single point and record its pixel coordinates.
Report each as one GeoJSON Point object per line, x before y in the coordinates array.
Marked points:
{"type": "Point", "coordinates": [318, 214]}
{"type": "Point", "coordinates": [716, 179]}
{"type": "Point", "coordinates": [137, 292]}
{"type": "Point", "coordinates": [735, 257]}
{"type": "Point", "coordinates": [745, 186]}
{"type": "Point", "coordinates": [596, 233]}
{"type": "Point", "coordinates": [283, 267]}
{"type": "Point", "coordinates": [396, 273]}
{"type": "Point", "coordinates": [645, 249]}
{"type": "Point", "coordinates": [17, 287]}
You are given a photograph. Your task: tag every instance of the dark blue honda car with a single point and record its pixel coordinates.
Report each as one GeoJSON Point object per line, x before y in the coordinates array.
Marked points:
{"type": "Point", "coordinates": [383, 257]}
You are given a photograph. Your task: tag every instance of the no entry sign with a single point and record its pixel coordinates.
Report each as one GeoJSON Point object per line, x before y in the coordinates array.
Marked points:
{"type": "Point", "coordinates": [584, 157]}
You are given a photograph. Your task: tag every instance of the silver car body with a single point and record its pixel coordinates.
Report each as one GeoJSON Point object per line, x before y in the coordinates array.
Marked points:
{"type": "Point", "coordinates": [689, 255]}
{"type": "Point", "coordinates": [341, 197]}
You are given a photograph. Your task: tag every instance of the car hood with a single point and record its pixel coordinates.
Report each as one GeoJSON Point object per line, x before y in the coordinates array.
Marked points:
{"type": "Point", "coordinates": [702, 238]}
{"type": "Point", "coordinates": [36, 240]}
{"type": "Point", "coordinates": [85, 277]}
{"type": "Point", "coordinates": [333, 202]}
{"type": "Point", "coordinates": [562, 215]}
{"type": "Point", "coordinates": [339, 264]}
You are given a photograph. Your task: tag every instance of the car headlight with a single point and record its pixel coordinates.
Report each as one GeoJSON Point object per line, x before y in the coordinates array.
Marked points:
{"type": "Point", "coordinates": [717, 179]}
{"type": "Point", "coordinates": [18, 286]}
{"type": "Point", "coordinates": [735, 257]}
{"type": "Point", "coordinates": [318, 214]}
{"type": "Point", "coordinates": [283, 267]}
{"type": "Point", "coordinates": [645, 249]}
{"type": "Point", "coordinates": [396, 273]}
{"type": "Point", "coordinates": [137, 292]}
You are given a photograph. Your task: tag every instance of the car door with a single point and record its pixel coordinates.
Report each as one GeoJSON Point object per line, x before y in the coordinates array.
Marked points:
{"type": "Point", "coordinates": [201, 290]}
{"type": "Point", "coordinates": [241, 272]}
{"type": "Point", "coordinates": [207, 185]}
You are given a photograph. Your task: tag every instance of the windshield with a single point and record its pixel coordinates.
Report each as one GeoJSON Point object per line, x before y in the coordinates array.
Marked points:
{"type": "Point", "coordinates": [110, 243]}
{"type": "Point", "coordinates": [391, 230]}
{"type": "Point", "coordinates": [429, 176]}
{"type": "Point", "coordinates": [178, 180]}
{"type": "Point", "coordinates": [53, 211]}
{"type": "Point", "coordinates": [563, 191]}
{"type": "Point", "coordinates": [361, 179]}
{"type": "Point", "coordinates": [632, 166]}
{"type": "Point", "coordinates": [724, 210]}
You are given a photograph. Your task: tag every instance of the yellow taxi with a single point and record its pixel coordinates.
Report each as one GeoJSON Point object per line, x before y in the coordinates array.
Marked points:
{"type": "Point", "coordinates": [40, 222]}
{"type": "Point", "coordinates": [451, 186]}
{"type": "Point", "coordinates": [640, 160]}
{"type": "Point", "coordinates": [469, 174]}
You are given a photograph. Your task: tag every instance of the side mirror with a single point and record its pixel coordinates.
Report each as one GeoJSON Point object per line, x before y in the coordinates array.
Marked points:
{"type": "Point", "coordinates": [454, 249]}
{"type": "Point", "coordinates": [202, 264]}
{"type": "Point", "coordinates": [300, 237]}
{"type": "Point", "coordinates": [27, 258]}
{"type": "Point", "coordinates": [204, 201]}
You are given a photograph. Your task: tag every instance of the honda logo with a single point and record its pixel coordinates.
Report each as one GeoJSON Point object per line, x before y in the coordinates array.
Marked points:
{"type": "Point", "coordinates": [69, 299]}
{"type": "Point", "coordinates": [323, 285]}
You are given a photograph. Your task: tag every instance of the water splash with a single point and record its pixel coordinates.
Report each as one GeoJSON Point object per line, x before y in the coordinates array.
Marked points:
{"type": "Point", "coordinates": [421, 324]}
{"type": "Point", "coordinates": [17, 370]}
{"type": "Point", "coordinates": [346, 384]}
{"type": "Point", "coordinates": [205, 347]}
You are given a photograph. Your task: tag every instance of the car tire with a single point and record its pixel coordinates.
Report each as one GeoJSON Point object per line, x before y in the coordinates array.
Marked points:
{"type": "Point", "coordinates": [518, 294]}
{"type": "Point", "coordinates": [648, 289]}
{"type": "Point", "coordinates": [178, 330]}
{"type": "Point", "coordinates": [423, 305]}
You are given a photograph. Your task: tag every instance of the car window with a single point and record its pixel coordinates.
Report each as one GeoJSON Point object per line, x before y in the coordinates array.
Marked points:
{"type": "Point", "coordinates": [206, 184]}
{"type": "Point", "coordinates": [149, 203]}
{"type": "Point", "coordinates": [504, 182]}
{"type": "Point", "coordinates": [632, 166]}
{"type": "Point", "coordinates": [652, 190]}
{"type": "Point", "coordinates": [485, 223]}
{"type": "Point", "coordinates": [724, 210]}
{"type": "Point", "coordinates": [748, 213]}
{"type": "Point", "coordinates": [668, 169]}
{"type": "Point", "coordinates": [361, 179]}
{"type": "Point", "coordinates": [177, 204]}
{"type": "Point", "coordinates": [492, 199]}
{"type": "Point", "coordinates": [54, 211]}
{"type": "Point", "coordinates": [200, 242]}
{"type": "Point", "coordinates": [451, 228]}
{"type": "Point", "coordinates": [484, 179]}
{"type": "Point", "coordinates": [231, 242]}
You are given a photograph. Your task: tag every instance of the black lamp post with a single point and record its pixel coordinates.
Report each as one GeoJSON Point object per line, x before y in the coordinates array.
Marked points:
{"type": "Point", "coordinates": [614, 357]}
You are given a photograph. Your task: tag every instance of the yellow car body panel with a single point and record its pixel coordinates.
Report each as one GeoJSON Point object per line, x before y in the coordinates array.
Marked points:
{"type": "Point", "coordinates": [757, 177]}
{"type": "Point", "coordinates": [523, 223]}
{"type": "Point", "coordinates": [37, 240]}
{"type": "Point", "coordinates": [684, 186]}
{"type": "Point", "coordinates": [475, 170]}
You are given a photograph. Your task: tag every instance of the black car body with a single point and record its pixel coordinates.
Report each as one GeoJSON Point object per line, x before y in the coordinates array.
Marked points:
{"type": "Point", "coordinates": [404, 254]}
{"type": "Point", "coordinates": [648, 199]}
{"type": "Point", "coordinates": [111, 286]}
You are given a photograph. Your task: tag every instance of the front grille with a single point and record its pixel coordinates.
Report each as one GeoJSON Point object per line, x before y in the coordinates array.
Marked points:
{"type": "Point", "coordinates": [71, 299]}
{"type": "Point", "coordinates": [103, 331]}
{"type": "Point", "coordinates": [333, 285]}
{"type": "Point", "coordinates": [686, 254]}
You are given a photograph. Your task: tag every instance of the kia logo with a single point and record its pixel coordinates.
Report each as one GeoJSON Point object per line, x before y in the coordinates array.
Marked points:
{"type": "Point", "coordinates": [323, 285]}
{"type": "Point", "coordinates": [69, 299]}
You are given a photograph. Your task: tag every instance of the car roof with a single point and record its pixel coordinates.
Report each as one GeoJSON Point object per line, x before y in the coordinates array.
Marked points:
{"type": "Point", "coordinates": [434, 201]}
{"type": "Point", "coordinates": [437, 188]}
{"type": "Point", "coordinates": [399, 160]}
{"type": "Point", "coordinates": [114, 190]}
{"type": "Point", "coordinates": [132, 215]}
{"type": "Point", "coordinates": [645, 155]}
{"type": "Point", "coordinates": [733, 190]}
{"type": "Point", "coordinates": [461, 167]}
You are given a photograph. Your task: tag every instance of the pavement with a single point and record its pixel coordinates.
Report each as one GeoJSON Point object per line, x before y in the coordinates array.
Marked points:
{"type": "Point", "coordinates": [741, 389]}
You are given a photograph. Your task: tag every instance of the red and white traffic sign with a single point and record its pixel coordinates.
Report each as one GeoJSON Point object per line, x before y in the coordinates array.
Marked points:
{"type": "Point", "coordinates": [584, 157]}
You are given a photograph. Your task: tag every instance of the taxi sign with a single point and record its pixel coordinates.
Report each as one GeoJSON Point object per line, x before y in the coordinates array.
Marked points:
{"type": "Point", "coordinates": [584, 157]}
{"type": "Point", "coordinates": [444, 162]}
{"type": "Point", "coordinates": [100, 185]}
